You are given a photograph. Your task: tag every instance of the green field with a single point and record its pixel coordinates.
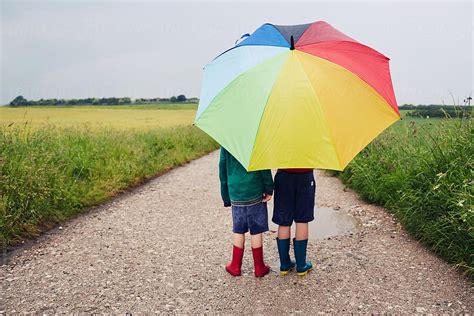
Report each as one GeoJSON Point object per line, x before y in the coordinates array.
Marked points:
{"type": "Point", "coordinates": [54, 162]}
{"type": "Point", "coordinates": [138, 117]}
{"type": "Point", "coordinates": [422, 171]}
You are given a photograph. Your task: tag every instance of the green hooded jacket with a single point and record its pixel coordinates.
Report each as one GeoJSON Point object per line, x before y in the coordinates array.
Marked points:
{"type": "Point", "coordinates": [239, 187]}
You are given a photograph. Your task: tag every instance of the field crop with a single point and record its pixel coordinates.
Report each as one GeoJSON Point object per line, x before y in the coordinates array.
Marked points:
{"type": "Point", "coordinates": [138, 117]}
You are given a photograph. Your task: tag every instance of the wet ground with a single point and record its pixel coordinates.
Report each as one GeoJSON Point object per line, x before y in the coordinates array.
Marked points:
{"type": "Point", "coordinates": [163, 247]}
{"type": "Point", "coordinates": [327, 222]}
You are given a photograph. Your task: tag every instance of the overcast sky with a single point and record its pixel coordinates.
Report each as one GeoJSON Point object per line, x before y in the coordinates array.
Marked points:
{"type": "Point", "coordinates": [78, 49]}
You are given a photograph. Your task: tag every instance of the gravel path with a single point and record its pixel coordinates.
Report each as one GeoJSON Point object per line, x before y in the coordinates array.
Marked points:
{"type": "Point", "coordinates": [162, 248]}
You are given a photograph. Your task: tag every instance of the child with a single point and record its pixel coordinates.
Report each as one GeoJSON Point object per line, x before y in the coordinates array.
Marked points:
{"type": "Point", "coordinates": [294, 201]}
{"type": "Point", "coordinates": [248, 194]}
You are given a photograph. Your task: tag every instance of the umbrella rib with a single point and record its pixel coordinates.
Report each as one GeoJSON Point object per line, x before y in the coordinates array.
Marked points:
{"type": "Point", "coordinates": [327, 127]}
{"type": "Point", "coordinates": [266, 44]}
{"type": "Point", "coordinates": [237, 77]}
{"type": "Point", "coordinates": [363, 82]}
{"type": "Point", "coordinates": [344, 41]}
{"type": "Point", "coordinates": [263, 112]}
{"type": "Point", "coordinates": [362, 79]}
{"type": "Point", "coordinates": [356, 74]}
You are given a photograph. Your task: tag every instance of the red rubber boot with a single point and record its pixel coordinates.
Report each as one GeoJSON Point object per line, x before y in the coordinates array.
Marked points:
{"type": "Point", "coordinates": [234, 267]}
{"type": "Point", "coordinates": [261, 269]}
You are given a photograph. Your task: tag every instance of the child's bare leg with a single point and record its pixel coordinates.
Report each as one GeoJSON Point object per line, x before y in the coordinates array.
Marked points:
{"type": "Point", "coordinates": [239, 240]}
{"type": "Point", "coordinates": [256, 240]}
{"type": "Point", "coordinates": [301, 231]}
{"type": "Point", "coordinates": [284, 232]}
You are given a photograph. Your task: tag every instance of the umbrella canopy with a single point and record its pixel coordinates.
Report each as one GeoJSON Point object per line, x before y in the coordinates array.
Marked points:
{"type": "Point", "coordinates": [300, 96]}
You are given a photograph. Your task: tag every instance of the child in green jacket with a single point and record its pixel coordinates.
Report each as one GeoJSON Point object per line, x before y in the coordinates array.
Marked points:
{"type": "Point", "coordinates": [248, 194]}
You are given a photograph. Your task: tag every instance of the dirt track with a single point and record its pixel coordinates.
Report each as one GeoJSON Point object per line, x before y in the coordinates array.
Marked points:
{"type": "Point", "coordinates": [162, 248]}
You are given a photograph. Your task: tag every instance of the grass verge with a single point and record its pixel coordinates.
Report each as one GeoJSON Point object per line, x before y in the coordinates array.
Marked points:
{"type": "Point", "coordinates": [422, 171]}
{"type": "Point", "coordinates": [51, 174]}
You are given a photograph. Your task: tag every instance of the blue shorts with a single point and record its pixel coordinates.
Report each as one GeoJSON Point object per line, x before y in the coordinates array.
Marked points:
{"type": "Point", "coordinates": [294, 198]}
{"type": "Point", "coordinates": [253, 218]}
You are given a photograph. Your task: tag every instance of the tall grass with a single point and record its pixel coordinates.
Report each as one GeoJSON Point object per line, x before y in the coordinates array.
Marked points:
{"type": "Point", "coordinates": [422, 171]}
{"type": "Point", "coordinates": [50, 174]}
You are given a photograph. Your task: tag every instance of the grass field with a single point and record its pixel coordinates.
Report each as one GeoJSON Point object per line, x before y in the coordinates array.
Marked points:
{"type": "Point", "coordinates": [137, 117]}
{"type": "Point", "coordinates": [54, 162]}
{"type": "Point", "coordinates": [422, 171]}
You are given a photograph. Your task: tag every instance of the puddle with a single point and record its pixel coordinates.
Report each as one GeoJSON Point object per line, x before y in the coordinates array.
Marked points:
{"type": "Point", "coordinates": [327, 223]}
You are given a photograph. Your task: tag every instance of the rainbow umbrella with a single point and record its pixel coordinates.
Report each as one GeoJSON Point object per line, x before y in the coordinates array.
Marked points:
{"type": "Point", "coordinates": [300, 96]}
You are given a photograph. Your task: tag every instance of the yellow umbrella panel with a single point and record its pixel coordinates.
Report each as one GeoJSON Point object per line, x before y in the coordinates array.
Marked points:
{"type": "Point", "coordinates": [319, 115]}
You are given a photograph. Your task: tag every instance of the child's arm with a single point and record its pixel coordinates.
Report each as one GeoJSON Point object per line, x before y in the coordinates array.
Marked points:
{"type": "Point", "coordinates": [267, 181]}
{"type": "Point", "coordinates": [223, 178]}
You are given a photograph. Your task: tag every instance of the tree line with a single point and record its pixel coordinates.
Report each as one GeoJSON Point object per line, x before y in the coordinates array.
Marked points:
{"type": "Point", "coordinates": [21, 101]}
{"type": "Point", "coordinates": [437, 110]}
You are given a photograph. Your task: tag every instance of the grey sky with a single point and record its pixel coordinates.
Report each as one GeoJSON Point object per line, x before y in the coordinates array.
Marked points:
{"type": "Point", "coordinates": [76, 49]}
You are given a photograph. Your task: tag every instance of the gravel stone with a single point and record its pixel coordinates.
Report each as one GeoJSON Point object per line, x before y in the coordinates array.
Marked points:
{"type": "Point", "coordinates": [162, 248]}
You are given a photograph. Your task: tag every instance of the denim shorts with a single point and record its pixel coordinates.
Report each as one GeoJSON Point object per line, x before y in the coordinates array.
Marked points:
{"type": "Point", "coordinates": [294, 198]}
{"type": "Point", "coordinates": [252, 217]}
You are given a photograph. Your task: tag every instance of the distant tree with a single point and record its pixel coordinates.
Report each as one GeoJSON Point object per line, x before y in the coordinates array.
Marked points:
{"type": "Point", "coordinates": [112, 101]}
{"type": "Point", "coordinates": [19, 100]}
{"type": "Point", "coordinates": [124, 101]}
{"type": "Point", "coordinates": [434, 110]}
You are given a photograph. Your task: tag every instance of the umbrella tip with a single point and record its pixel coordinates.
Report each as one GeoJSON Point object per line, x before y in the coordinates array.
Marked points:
{"type": "Point", "coordinates": [292, 47]}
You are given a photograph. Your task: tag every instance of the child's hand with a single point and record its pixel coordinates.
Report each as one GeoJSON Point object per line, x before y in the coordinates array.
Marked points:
{"type": "Point", "coordinates": [266, 198]}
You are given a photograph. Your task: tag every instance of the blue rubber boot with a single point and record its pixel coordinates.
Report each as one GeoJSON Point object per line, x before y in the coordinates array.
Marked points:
{"type": "Point", "coordinates": [302, 266]}
{"type": "Point", "coordinates": [286, 264]}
